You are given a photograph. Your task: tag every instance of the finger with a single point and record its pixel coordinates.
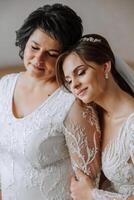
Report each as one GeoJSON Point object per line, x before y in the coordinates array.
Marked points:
{"type": "Point", "coordinates": [73, 183]}
{"type": "Point", "coordinates": [79, 174]}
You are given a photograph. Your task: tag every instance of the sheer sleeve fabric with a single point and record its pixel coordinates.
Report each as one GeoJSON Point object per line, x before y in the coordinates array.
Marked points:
{"type": "Point", "coordinates": [83, 139]}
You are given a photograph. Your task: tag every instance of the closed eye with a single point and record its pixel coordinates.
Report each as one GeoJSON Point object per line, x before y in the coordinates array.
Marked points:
{"type": "Point", "coordinates": [35, 48]}
{"type": "Point", "coordinates": [81, 72]}
{"type": "Point", "coordinates": [53, 54]}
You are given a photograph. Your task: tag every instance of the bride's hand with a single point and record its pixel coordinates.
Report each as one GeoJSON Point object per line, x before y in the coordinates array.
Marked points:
{"type": "Point", "coordinates": [81, 188]}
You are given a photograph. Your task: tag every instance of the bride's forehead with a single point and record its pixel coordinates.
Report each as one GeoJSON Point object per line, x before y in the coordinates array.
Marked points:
{"type": "Point", "coordinates": [72, 59]}
{"type": "Point", "coordinates": [71, 62]}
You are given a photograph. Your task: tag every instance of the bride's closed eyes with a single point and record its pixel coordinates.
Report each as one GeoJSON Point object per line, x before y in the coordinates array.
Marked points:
{"type": "Point", "coordinates": [78, 72]}
{"type": "Point", "coordinates": [81, 72]}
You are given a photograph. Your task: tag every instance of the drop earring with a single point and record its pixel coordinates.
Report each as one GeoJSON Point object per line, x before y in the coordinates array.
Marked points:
{"type": "Point", "coordinates": [106, 75]}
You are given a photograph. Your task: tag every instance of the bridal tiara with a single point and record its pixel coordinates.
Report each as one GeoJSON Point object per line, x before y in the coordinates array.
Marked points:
{"type": "Point", "coordinates": [90, 39]}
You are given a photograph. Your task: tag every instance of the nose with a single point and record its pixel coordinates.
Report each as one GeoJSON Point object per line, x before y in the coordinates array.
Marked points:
{"type": "Point", "coordinates": [39, 58]}
{"type": "Point", "coordinates": [75, 83]}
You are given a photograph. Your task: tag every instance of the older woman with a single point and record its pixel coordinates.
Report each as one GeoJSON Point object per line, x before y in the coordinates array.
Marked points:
{"type": "Point", "coordinates": [43, 128]}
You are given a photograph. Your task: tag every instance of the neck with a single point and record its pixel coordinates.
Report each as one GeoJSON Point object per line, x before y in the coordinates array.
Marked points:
{"type": "Point", "coordinates": [35, 85]}
{"type": "Point", "coordinates": [34, 81]}
{"type": "Point", "coordinates": [114, 100]}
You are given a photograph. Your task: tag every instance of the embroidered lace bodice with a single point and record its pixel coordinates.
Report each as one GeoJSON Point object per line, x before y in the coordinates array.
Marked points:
{"type": "Point", "coordinates": [36, 151]}
{"type": "Point", "coordinates": [118, 165]}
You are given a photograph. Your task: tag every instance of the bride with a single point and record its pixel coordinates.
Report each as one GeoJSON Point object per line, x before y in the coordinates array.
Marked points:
{"type": "Point", "coordinates": [88, 71]}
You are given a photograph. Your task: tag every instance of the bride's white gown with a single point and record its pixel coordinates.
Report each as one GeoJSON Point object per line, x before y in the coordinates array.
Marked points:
{"type": "Point", "coordinates": [34, 159]}
{"type": "Point", "coordinates": [118, 164]}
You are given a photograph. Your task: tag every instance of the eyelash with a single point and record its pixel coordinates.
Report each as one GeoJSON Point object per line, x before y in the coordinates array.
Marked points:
{"type": "Point", "coordinates": [82, 72]}
{"type": "Point", "coordinates": [51, 55]}
{"type": "Point", "coordinates": [34, 48]}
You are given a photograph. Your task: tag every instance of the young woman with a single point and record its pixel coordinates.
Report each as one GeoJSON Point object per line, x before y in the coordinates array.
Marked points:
{"type": "Point", "coordinates": [88, 71]}
{"type": "Point", "coordinates": [42, 128]}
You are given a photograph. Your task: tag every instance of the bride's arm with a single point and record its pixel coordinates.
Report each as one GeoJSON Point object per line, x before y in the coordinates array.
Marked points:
{"type": "Point", "coordinates": [84, 188]}
{"type": "Point", "coordinates": [83, 139]}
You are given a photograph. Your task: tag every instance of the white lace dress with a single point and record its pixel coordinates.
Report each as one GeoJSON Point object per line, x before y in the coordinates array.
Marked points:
{"type": "Point", "coordinates": [118, 165]}
{"type": "Point", "coordinates": [35, 162]}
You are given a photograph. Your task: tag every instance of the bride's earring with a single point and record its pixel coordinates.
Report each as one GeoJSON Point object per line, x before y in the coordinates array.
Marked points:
{"type": "Point", "coordinates": [106, 75]}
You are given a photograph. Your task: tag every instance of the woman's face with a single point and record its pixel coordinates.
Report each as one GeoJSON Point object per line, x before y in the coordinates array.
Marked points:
{"type": "Point", "coordinates": [40, 54]}
{"type": "Point", "coordinates": [85, 81]}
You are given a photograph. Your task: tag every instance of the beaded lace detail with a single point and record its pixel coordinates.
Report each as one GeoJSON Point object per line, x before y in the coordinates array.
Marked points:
{"type": "Point", "coordinates": [118, 165]}
{"type": "Point", "coordinates": [35, 150]}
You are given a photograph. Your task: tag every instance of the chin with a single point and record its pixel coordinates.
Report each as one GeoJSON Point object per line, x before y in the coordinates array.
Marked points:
{"type": "Point", "coordinates": [85, 101]}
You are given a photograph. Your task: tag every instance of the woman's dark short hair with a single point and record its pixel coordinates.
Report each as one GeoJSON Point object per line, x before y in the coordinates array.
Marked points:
{"type": "Point", "coordinates": [95, 48]}
{"type": "Point", "coordinates": [57, 20]}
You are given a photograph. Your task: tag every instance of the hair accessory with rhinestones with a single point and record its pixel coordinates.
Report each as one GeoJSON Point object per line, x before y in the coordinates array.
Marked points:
{"type": "Point", "coordinates": [90, 39]}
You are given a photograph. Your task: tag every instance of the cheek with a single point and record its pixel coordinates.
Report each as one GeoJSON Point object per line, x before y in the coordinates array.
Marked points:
{"type": "Point", "coordinates": [27, 55]}
{"type": "Point", "coordinates": [51, 64]}
{"type": "Point", "coordinates": [91, 79]}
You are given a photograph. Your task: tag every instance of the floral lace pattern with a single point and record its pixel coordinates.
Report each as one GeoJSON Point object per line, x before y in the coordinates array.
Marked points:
{"type": "Point", "coordinates": [118, 165]}
{"type": "Point", "coordinates": [84, 142]}
{"type": "Point", "coordinates": [35, 161]}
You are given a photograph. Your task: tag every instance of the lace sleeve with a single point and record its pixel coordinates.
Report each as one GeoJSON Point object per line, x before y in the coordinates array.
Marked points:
{"type": "Point", "coordinates": [83, 139]}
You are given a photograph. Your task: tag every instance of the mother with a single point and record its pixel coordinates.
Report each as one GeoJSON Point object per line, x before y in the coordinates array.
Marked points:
{"type": "Point", "coordinates": [36, 115]}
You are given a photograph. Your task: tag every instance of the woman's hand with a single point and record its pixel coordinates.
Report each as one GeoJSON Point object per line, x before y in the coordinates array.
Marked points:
{"type": "Point", "coordinates": [81, 188]}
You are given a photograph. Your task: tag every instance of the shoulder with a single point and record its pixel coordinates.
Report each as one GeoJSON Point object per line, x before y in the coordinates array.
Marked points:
{"type": "Point", "coordinates": [84, 114]}
{"type": "Point", "coordinates": [61, 103]}
{"type": "Point", "coordinates": [65, 94]}
{"type": "Point", "coordinates": [7, 81]}
{"type": "Point", "coordinates": [7, 78]}
{"type": "Point", "coordinates": [66, 98]}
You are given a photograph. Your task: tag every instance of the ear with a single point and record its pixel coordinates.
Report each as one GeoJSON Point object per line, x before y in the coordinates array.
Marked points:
{"type": "Point", "coordinates": [107, 67]}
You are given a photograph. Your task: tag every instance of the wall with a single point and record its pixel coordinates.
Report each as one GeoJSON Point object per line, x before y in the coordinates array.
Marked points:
{"type": "Point", "coordinates": [111, 18]}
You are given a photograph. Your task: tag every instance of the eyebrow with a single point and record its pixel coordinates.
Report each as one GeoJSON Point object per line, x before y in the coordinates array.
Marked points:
{"type": "Point", "coordinates": [76, 69]}
{"type": "Point", "coordinates": [58, 51]}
